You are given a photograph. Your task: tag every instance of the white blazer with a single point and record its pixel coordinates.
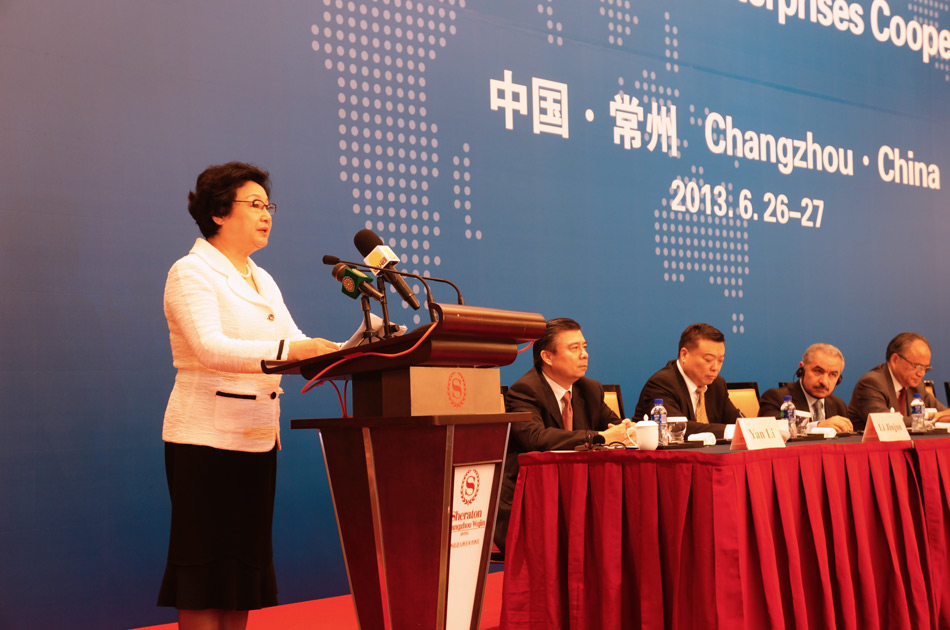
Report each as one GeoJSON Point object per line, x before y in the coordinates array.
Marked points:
{"type": "Point", "coordinates": [220, 330]}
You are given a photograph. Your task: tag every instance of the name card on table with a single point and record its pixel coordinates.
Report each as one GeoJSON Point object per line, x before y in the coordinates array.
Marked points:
{"type": "Point", "coordinates": [885, 427]}
{"type": "Point", "coordinates": [756, 433]}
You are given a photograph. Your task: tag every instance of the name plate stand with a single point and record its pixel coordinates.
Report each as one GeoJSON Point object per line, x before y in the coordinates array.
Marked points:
{"type": "Point", "coordinates": [756, 433]}
{"type": "Point", "coordinates": [885, 427]}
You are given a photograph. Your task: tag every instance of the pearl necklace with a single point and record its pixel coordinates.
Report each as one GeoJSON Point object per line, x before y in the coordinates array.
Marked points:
{"type": "Point", "coordinates": [245, 274]}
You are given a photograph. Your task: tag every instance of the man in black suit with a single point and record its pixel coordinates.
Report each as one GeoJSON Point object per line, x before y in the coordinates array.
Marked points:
{"type": "Point", "coordinates": [891, 385]}
{"type": "Point", "coordinates": [690, 385]}
{"type": "Point", "coordinates": [819, 372]}
{"type": "Point", "coordinates": [567, 409]}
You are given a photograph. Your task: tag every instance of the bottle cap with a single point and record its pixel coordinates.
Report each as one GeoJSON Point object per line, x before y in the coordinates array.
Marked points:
{"type": "Point", "coordinates": [916, 395]}
{"type": "Point", "coordinates": [788, 399]}
{"type": "Point", "coordinates": [659, 401]}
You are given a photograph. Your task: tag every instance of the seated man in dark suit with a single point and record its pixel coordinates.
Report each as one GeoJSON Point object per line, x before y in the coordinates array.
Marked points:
{"type": "Point", "coordinates": [567, 409]}
{"type": "Point", "coordinates": [690, 385]}
{"type": "Point", "coordinates": [891, 385]}
{"type": "Point", "coordinates": [819, 372]}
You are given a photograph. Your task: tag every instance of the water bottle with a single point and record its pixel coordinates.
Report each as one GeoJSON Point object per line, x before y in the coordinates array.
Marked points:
{"type": "Point", "coordinates": [658, 415]}
{"type": "Point", "coordinates": [917, 413]}
{"type": "Point", "coordinates": [788, 413]}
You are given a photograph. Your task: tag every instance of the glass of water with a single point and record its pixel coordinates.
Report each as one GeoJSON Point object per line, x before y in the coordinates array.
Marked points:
{"type": "Point", "coordinates": [802, 418]}
{"type": "Point", "coordinates": [930, 419]}
{"type": "Point", "coordinates": [677, 426]}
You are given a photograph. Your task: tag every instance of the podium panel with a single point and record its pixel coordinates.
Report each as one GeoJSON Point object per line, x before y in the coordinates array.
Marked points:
{"type": "Point", "coordinates": [393, 487]}
{"type": "Point", "coordinates": [423, 391]}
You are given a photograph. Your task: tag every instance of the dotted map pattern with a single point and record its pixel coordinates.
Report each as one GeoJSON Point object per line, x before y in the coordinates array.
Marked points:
{"type": "Point", "coordinates": [389, 150]}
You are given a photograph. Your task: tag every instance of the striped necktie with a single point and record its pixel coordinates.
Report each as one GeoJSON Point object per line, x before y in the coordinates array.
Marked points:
{"type": "Point", "coordinates": [701, 405]}
{"type": "Point", "coordinates": [567, 413]}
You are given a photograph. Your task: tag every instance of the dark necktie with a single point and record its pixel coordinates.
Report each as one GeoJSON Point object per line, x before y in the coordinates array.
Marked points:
{"type": "Point", "coordinates": [819, 410]}
{"type": "Point", "coordinates": [902, 401]}
{"type": "Point", "coordinates": [567, 413]}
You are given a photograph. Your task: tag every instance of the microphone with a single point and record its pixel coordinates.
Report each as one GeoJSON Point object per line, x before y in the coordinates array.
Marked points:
{"type": "Point", "coordinates": [378, 255]}
{"type": "Point", "coordinates": [355, 283]}
{"type": "Point", "coordinates": [330, 259]}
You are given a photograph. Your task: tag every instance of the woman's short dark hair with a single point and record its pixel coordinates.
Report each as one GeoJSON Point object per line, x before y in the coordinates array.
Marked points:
{"type": "Point", "coordinates": [553, 328]}
{"type": "Point", "coordinates": [215, 189]}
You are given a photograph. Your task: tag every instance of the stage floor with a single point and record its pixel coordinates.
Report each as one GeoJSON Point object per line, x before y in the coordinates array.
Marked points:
{"type": "Point", "coordinates": [337, 613]}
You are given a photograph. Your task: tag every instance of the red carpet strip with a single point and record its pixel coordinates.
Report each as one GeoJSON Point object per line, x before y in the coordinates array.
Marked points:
{"type": "Point", "coordinates": [337, 613]}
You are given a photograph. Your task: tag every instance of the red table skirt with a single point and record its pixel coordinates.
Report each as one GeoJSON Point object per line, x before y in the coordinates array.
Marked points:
{"type": "Point", "coordinates": [827, 535]}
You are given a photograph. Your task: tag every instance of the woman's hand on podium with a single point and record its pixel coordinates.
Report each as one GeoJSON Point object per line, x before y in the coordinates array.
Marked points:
{"type": "Point", "coordinates": [308, 348]}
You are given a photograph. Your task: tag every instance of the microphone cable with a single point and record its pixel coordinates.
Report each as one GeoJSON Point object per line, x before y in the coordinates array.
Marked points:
{"type": "Point", "coordinates": [340, 397]}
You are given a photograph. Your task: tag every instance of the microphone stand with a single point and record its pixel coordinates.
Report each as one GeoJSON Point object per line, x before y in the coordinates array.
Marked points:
{"type": "Point", "coordinates": [387, 327]}
{"type": "Point", "coordinates": [380, 284]}
{"type": "Point", "coordinates": [368, 332]}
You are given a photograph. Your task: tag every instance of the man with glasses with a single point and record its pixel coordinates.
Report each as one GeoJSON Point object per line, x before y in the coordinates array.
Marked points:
{"type": "Point", "coordinates": [891, 385]}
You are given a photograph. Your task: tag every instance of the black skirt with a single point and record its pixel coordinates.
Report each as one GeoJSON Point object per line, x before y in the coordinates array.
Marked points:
{"type": "Point", "coordinates": [220, 553]}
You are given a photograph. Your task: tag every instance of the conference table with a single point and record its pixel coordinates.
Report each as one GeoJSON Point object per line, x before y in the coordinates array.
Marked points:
{"type": "Point", "coordinates": [820, 534]}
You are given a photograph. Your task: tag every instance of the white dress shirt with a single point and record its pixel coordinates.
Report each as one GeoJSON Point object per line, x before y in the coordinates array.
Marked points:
{"type": "Point", "coordinates": [691, 387]}
{"type": "Point", "coordinates": [558, 390]}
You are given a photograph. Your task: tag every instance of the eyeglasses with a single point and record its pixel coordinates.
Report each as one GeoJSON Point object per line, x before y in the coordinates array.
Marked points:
{"type": "Point", "coordinates": [917, 366]}
{"type": "Point", "coordinates": [259, 205]}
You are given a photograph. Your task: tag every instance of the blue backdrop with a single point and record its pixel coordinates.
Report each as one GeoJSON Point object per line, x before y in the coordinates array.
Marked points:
{"type": "Point", "coordinates": [636, 165]}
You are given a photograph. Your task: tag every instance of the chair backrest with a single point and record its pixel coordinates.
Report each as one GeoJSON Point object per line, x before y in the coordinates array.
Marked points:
{"type": "Point", "coordinates": [613, 399]}
{"type": "Point", "coordinates": [745, 396]}
{"type": "Point", "coordinates": [930, 388]}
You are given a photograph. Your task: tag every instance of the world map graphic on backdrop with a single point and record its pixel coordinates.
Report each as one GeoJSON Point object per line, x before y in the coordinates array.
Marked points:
{"type": "Point", "coordinates": [389, 151]}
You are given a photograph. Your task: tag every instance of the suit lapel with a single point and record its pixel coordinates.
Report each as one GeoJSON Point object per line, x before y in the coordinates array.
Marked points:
{"type": "Point", "coordinates": [892, 399]}
{"type": "Point", "coordinates": [685, 395]}
{"type": "Point", "coordinates": [551, 404]}
{"type": "Point", "coordinates": [581, 419]}
{"type": "Point", "coordinates": [799, 398]}
{"type": "Point", "coordinates": [243, 290]}
{"type": "Point", "coordinates": [220, 263]}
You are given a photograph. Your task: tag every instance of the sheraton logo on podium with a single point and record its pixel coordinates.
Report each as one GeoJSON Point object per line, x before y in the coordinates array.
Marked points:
{"type": "Point", "coordinates": [455, 389]}
{"type": "Point", "coordinates": [469, 488]}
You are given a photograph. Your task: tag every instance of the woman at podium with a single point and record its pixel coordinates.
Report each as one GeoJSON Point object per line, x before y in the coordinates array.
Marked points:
{"type": "Point", "coordinates": [221, 428]}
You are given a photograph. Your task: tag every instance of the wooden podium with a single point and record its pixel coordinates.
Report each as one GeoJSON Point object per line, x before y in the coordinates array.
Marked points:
{"type": "Point", "coordinates": [415, 474]}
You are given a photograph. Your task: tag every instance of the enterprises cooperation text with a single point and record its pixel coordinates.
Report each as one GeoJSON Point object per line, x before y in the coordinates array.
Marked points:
{"type": "Point", "coordinates": [925, 39]}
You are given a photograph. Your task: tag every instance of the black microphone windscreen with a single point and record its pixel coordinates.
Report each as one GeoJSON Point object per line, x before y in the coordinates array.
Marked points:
{"type": "Point", "coordinates": [329, 259]}
{"type": "Point", "coordinates": [366, 241]}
